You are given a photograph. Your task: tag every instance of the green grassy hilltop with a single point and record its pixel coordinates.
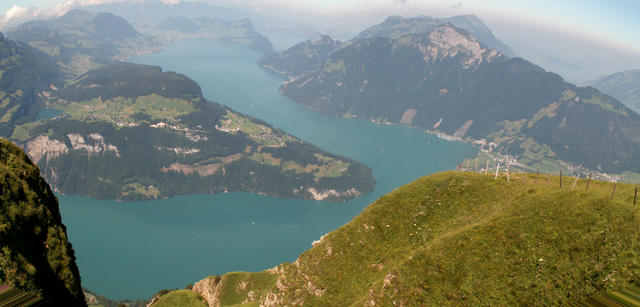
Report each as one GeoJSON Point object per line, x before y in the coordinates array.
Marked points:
{"type": "Point", "coordinates": [460, 239]}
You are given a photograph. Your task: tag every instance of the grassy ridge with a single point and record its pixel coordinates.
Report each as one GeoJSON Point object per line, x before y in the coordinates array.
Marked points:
{"type": "Point", "coordinates": [467, 239]}
{"type": "Point", "coordinates": [184, 298]}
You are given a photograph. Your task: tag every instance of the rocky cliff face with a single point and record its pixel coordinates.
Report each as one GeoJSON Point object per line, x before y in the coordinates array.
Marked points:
{"type": "Point", "coordinates": [48, 148]}
{"type": "Point", "coordinates": [397, 26]}
{"type": "Point", "coordinates": [35, 254]}
{"type": "Point", "coordinates": [447, 42]}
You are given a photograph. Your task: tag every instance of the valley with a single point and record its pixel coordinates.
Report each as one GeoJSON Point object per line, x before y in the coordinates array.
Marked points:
{"type": "Point", "coordinates": [194, 165]}
{"type": "Point", "coordinates": [228, 229]}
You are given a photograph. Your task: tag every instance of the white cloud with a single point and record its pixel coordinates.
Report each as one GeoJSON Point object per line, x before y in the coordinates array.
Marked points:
{"type": "Point", "coordinates": [20, 14]}
{"type": "Point", "coordinates": [16, 11]}
{"type": "Point", "coordinates": [17, 14]}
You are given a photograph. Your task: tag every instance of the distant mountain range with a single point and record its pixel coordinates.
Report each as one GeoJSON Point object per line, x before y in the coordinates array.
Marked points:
{"type": "Point", "coordinates": [445, 80]}
{"type": "Point", "coordinates": [145, 15]}
{"type": "Point", "coordinates": [80, 40]}
{"type": "Point", "coordinates": [624, 86]}
{"type": "Point", "coordinates": [240, 32]}
{"type": "Point", "coordinates": [308, 56]}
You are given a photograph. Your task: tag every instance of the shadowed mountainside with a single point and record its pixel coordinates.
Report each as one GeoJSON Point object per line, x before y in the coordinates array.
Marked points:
{"type": "Point", "coordinates": [446, 81]}
{"type": "Point", "coordinates": [35, 254]}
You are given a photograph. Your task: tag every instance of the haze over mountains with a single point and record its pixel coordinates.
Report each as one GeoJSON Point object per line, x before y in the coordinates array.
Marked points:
{"type": "Point", "coordinates": [576, 58]}
{"type": "Point", "coordinates": [308, 56]}
{"type": "Point", "coordinates": [240, 31]}
{"type": "Point", "coordinates": [80, 40]}
{"type": "Point", "coordinates": [555, 48]}
{"type": "Point", "coordinates": [135, 132]}
{"type": "Point", "coordinates": [624, 86]}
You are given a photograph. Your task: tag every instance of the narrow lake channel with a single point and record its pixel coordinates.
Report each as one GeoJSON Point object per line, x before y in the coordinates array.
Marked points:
{"type": "Point", "coordinates": [132, 250]}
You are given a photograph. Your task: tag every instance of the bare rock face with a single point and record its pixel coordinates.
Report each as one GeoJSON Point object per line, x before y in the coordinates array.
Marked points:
{"type": "Point", "coordinates": [44, 146]}
{"type": "Point", "coordinates": [48, 148]}
{"type": "Point", "coordinates": [446, 41]}
{"type": "Point", "coordinates": [99, 145]}
{"type": "Point", "coordinates": [324, 194]}
{"type": "Point", "coordinates": [208, 288]}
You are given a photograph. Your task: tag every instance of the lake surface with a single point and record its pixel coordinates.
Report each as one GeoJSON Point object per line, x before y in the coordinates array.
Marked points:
{"type": "Point", "coordinates": [132, 250]}
{"type": "Point", "coordinates": [47, 114]}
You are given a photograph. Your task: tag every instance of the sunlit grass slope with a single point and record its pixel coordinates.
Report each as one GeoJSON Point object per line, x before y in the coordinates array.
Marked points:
{"type": "Point", "coordinates": [184, 298]}
{"type": "Point", "coordinates": [464, 239]}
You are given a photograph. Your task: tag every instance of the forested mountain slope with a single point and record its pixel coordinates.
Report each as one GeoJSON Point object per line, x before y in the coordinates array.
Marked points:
{"type": "Point", "coordinates": [27, 76]}
{"type": "Point", "coordinates": [446, 81]}
{"type": "Point", "coordinates": [132, 132]}
{"type": "Point", "coordinates": [35, 254]}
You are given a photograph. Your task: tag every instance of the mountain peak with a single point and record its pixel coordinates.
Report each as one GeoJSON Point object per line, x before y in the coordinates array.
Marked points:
{"type": "Point", "coordinates": [398, 26]}
{"type": "Point", "coordinates": [393, 19]}
{"type": "Point", "coordinates": [448, 41]}
{"type": "Point", "coordinates": [447, 36]}
{"type": "Point", "coordinates": [76, 16]}
{"type": "Point", "coordinates": [326, 39]}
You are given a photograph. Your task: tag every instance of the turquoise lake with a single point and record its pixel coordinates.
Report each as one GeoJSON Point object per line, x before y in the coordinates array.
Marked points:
{"type": "Point", "coordinates": [132, 250]}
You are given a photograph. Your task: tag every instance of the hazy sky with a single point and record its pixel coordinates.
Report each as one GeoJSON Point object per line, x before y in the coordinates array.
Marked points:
{"type": "Point", "coordinates": [616, 22]}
